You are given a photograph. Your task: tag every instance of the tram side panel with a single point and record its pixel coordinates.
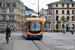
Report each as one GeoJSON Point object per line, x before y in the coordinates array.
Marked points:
{"type": "Point", "coordinates": [24, 30]}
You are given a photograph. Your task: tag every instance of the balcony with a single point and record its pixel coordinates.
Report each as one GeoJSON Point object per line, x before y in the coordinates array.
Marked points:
{"type": "Point", "coordinates": [7, 20]}
{"type": "Point", "coordinates": [3, 13]}
{"type": "Point", "coordinates": [67, 14]}
{"type": "Point", "coordinates": [11, 13]}
{"type": "Point", "coordinates": [8, 6]}
{"type": "Point", "coordinates": [19, 14]}
{"type": "Point", "coordinates": [19, 21]}
{"type": "Point", "coordinates": [12, 20]}
{"type": "Point", "coordinates": [8, 13]}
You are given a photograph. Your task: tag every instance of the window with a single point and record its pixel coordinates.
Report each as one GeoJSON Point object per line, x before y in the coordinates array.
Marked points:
{"type": "Point", "coordinates": [12, 17]}
{"type": "Point", "coordinates": [9, 17]}
{"type": "Point", "coordinates": [49, 12]}
{"type": "Point", "coordinates": [3, 4]}
{"type": "Point", "coordinates": [14, 4]}
{"type": "Point", "coordinates": [68, 18]}
{"type": "Point", "coordinates": [8, 4]}
{"type": "Point", "coordinates": [0, 4]}
{"type": "Point", "coordinates": [9, 10]}
{"type": "Point", "coordinates": [67, 5]}
{"type": "Point", "coordinates": [62, 5]}
{"type": "Point", "coordinates": [48, 7]}
{"type": "Point", "coordinates": [56, 11]}
{"type": "Point", "coordinates": [3, 10]}
{"type": "Point", "coordinates": [12, 25]}
{"type": "Point", "coordinates": [56, 5]}
{"type": "Point", "coordinates": [2, 25]}
{"type": "Point", "coordinates": [72, 11]}
{"type": "Point", "coordinates": [34, 27]}
{"type": "Point", "coordinates": [72, 5]}
{"type": "Point", "coordinates": [62, 25]}
{"type": "Point", "coordinates": [68, 12]}
{"type": "Point", "coordinates": [12, 10]}
{"type": "Point", "coordinates": [4, 18]}
{"type": "Point", "coordinates": [62, 11]}
{"type": "Point", "coordinates": [72, 18]}
{"type": "Point", "coordinates": [57, 18]}
{"type": "Point", "coordinates": [7, 24]}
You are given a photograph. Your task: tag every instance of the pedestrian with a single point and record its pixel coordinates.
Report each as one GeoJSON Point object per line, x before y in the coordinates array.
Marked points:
{"type": "Point", "coordinates": [72, 31]}
{"type": "Point", "coordinates": [63, 31]}
{"type": "Point", "coordinates": [7, 31]}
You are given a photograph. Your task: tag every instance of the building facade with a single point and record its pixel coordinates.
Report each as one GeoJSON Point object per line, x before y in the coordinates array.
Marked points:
{"type": "Point", "coordinates": [43, 14]}
{"type": "Point", "coordinates": [62, 8]}
{"type": "Point", "coordinates": [12, 12]}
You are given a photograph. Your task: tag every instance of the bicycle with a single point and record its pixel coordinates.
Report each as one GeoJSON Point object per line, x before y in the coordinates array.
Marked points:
{"type": "Point", "coordinates": [7, 39]}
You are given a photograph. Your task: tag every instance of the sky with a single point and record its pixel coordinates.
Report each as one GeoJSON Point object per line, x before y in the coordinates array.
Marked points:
{"type": "Point", "coordinates": [33, 4]}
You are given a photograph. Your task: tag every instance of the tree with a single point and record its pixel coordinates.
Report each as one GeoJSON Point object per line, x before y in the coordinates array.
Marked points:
{"type": "Point", "coordinates": [64, 20]}
{"type": "Point", "coordinates": [45, 24]}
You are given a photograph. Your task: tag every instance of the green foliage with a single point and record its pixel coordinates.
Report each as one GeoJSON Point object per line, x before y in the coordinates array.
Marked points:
{"type": "Point", "coordinates": [56, 31]}
{"type": "Point", "coordinates": [67, 30]}
{"type": "Point", "coordinates": [45, 23]}
{"type": "Point", "coordinates": [64, 20]}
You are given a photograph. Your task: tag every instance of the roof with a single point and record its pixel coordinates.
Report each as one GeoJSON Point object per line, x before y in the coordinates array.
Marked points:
{"type": "Point", "coordinates": [63, 1]}
{"type": "Point", "coordinates": [9, 0]}
{"type": "Point", "coordinates": [32, 19]}
{"type": "Point", "coordinates": [26, 8]}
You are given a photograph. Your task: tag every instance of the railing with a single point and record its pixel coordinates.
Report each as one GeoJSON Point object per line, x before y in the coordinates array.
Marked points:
{"type": "Point", "coordinates": [9, 6]}
{"type": "Point", "coordinates": [7, 20]}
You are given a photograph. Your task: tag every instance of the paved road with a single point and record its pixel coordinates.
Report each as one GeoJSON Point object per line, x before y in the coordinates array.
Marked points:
{"type": "Point", "coordinates": [2, 36]}
{"type": "Point", "coordinates": [50, 41]}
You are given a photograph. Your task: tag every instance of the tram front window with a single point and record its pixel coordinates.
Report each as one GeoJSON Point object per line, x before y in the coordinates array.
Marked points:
{"type": "Point", "coordinates": [34, 26]}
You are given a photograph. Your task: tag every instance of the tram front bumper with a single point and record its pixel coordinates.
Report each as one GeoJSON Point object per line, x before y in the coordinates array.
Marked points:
{"type": "Point", "coordinates": [34, 36]}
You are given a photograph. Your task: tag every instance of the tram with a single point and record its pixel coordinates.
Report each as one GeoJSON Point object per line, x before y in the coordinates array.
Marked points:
{"type": "Point", "coordinates": [32, 28]}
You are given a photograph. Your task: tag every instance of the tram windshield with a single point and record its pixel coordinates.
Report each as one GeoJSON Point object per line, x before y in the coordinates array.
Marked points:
{"type": "Point", "coordinates": [34, 26]}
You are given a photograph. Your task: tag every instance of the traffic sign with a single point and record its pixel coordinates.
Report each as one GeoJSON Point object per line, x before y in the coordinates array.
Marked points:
{"type": "Point", "coordinates": [49, 20]}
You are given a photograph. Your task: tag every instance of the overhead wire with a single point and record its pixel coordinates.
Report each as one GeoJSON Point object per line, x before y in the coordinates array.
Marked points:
{"type": "Point", "coordinates": [32, 6]}
{"type": "Point", "coordinates": [33, 3]}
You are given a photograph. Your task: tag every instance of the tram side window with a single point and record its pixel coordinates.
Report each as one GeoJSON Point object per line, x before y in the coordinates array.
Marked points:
{"type": "Point", "coordinates": [29, 27]}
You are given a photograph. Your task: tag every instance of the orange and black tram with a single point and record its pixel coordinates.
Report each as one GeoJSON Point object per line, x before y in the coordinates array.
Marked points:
{"type": "Point", "coordinates": [32, 28]}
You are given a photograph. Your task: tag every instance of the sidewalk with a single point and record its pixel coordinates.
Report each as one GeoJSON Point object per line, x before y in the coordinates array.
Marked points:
{"type": "Point", "coordinates": [2, 36]}
{"type": "Point", "coordinates": [59, 32]}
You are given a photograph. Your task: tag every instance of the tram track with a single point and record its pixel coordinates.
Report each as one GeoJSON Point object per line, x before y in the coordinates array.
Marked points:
{"type": "Point", "coordinates": [36, 45]}
{"type": "Point", "coordinates": [47, 45]}
{"type": "Point", "coordinates": [42, 43]}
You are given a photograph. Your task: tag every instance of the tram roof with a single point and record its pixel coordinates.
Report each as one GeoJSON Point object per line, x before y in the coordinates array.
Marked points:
{"type": "Point", "coordinates": [37, 19]}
